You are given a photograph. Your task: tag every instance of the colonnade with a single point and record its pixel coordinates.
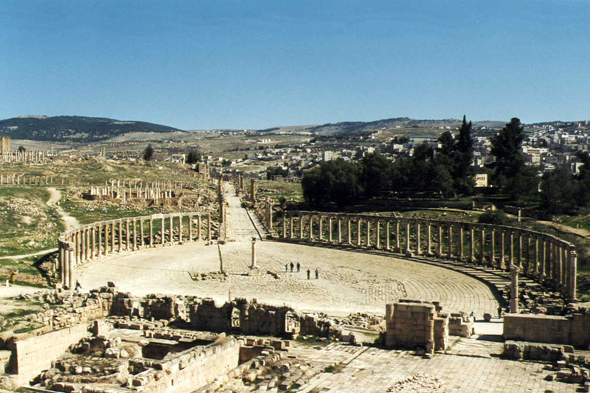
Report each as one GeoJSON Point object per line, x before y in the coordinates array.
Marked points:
{"type": "Point", "coordinates": [14, 179]}
{"type": "Point", "coordinates": [88, 242]}
{"type": "Point", "coordinates": [539, 255]}
{"type": "Point", "coordinates": [24, 156]}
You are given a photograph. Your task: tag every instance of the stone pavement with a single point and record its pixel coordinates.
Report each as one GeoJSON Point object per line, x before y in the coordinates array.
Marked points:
{"type": "Point", "coordinates": [375, 370]}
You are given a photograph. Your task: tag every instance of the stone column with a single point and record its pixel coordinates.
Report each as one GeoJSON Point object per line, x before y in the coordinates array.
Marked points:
{"type": "Point", "coordinates": [358, 231]}
{"type": "Point", "coordinates": [368, 232]}
{"type": "Point", "coordinates": [134, 234]}
{"type": "Point", "coordinates": [321, 228]}
{"type": "Point", "coordinates": [99, 228]}
{"type": "Point", "coordinates": [339, 223]}
{"type": "Point", "coordinates": [377, 234]}
{"type": "Point", "coordinates": [450, 241]}
{"type": "Point", "coordinates": [408, 250]}
{"type": "Point", "coordinates": [330, 229]}
{"type": "Point", "coordinates": [387, 235]}
{"type": "Point", "coordinates": [502, 249]}
{"type": "Point", "coordinates": [163, 230]}
{"type": "Point", "coordinates": [348, 231]}
{"type": "Point", "coordinates": [573, 274]}
{"type": "Point", "coordinates": [284, 226]}
{"type": "Point", "coordinates": [418, 249]}
{"type": "Point", "coordinates": [301, 223]}
{"type": "Point", "coordinates": [171, 223]}
{"type": "Point", "coordinates": [113, 236]}
{"type": "Point", "coordinates": [291, 226]}
{"type": "Point", "coordinates": [199, 226]}
{"type": "Point", "coordinates": [493, 248]}
{"type": "Point", "coordinates": [520, 250]}
{"type": "Point", "coordinates": [180, 228]}
{"type": "Point", "coordinates": [483, 246]}
{"type": "Point", "coordinates": [471, 244]}
{"type": "Point", "coordinates": [209, 230]}
{"type": "Point", "coordinates": [536, 240]}
{"type": "Point", "coordinates": [77, 248]}
{"type": "Point", "coordinates": [514, 270]}
{"type": "Point", "coordinates": [151, 232]}
{"type": "Point", "coordinates": [93, 234]}
{"type": "Point", "coordinates": [120, 236]}
{"type": "Point", "coordinates": [127, 236]}
{"type": "Point", "coordinates": [440, 241]}
{"type": "Point", "coordinates": [141, 239]}
{"type": "Point", "coordinates": [398, 247]}
{"type": "Point", "coordinates": [461, 243]}
{"type": "Point", "coordinates": [511, 251]}
{"type": "Point", "coordinates": [564, 266]}
{"type": "Point", "coordinates": [70, 275]}
{"type": "Point", "coordinates": [253, 265]}
{"type": "Point", "coordinates": [310, 228]}
{"type": "Point", "coordinates": [543, 256]}
{"type": "Point", "coordinates": [190, 228]}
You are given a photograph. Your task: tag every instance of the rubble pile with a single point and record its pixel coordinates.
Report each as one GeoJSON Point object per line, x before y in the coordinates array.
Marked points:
{"type": "Point", "coordinates": [419, 383]}
{"type": "Point", "coordinates": [24, 207]}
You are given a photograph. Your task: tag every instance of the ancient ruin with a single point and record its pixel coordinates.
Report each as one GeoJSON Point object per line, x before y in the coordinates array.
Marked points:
{"type": "Point", "coordinates": [108, 340]}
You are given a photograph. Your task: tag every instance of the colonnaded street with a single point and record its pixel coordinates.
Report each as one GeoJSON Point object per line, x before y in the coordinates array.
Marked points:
{"type": "Point", "coordinates": [349, 281]}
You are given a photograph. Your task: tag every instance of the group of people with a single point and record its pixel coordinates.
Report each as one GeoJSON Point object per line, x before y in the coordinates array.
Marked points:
{"type": "Point", "coordinates": [292, 265]}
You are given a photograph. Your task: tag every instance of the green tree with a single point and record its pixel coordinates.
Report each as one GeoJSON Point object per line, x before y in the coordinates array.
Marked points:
{"type": "Point", "coordinates": [463, 172]}
{"type": "Point", "coordinates": [375, 174]}
{"type": "Point", "coordinates": [193, 157]}
{"type": "Point", "coordinates": [148, 153]}
{"type": "Point", "coordinates": [335, 181]}
{"type": "Point", "coordinates": [506, 148]}
{"type": "Point", "coordinates": [558, 189]}
{"type": "Point", "coordinates": [22, 149]}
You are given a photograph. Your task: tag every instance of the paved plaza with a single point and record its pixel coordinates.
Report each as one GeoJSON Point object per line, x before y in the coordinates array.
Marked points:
{"type": "Point", "coordinates": [375, 370]}
{"type": "Point", "coordinates": [349, 281]}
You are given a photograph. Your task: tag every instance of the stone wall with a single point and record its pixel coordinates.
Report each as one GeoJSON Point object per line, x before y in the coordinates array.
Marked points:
{"type": "Point", "coordinates": [414, 325]}
{"type": "Point", "coordinates": [32, 355]}
{"type": "Point", "coordinates": [191, 369]}
{"type": "Point", "coordinates": [570, 330]}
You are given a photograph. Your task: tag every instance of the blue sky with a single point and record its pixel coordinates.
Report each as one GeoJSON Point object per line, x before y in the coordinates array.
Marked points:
{"type": "Point", "coordinates": [253, 64]}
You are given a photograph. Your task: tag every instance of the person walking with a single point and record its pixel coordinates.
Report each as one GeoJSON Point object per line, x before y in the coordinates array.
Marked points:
{"type": "Point", "coordinates": [292, 266]}
{"type": "Point", "coordinates": [286, 267]}
{"type": "Point", "coordinates": [317, 273]}
{"type": "Point", "coordinates": [308, 273]}
{"type": "Point", "coordinates": [298, 267]}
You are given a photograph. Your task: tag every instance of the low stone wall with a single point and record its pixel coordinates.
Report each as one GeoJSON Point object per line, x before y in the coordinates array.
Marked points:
{"type": "Point", "coordinates": [192, 368]}
{"type": "Point", "coordinates": [89, 242]}
{"type": "Point", "coordinates": [541, 256]}
{"type": "Point", "coordinates": [32, 355]}
{"type": "Point", "coordinates": [570, 330]}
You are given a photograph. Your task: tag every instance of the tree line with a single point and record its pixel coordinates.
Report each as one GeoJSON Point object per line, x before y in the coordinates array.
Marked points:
{"type": "Point", "coordinates": [448, 171]}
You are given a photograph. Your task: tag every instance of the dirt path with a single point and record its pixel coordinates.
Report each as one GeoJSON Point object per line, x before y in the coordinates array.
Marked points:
{"type": "Point", "coordinates": [563, 228]}
{"type": "Point", "coordinates": [71, 222]}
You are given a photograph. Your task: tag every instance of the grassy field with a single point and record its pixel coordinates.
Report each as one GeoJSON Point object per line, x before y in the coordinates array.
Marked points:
{"type": "Point", "coordinates": [277, 189]}
{"type": "Point", "coordinates": [27, 224]}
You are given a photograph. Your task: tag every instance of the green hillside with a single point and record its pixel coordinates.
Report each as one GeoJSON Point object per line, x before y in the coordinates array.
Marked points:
{"type": "Point", "coordinates": [74, 128]}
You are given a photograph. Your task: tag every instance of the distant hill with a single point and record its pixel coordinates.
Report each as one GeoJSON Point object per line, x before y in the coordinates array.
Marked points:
{"type": "Point", "coordinates": [403, 123]}
{"type": "Point", "coordinates": [74, 128]}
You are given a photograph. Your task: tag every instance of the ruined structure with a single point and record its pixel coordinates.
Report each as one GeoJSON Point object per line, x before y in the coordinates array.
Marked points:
{"type": "Point", "coordinates": [546, 258]}
{"type": "Point", "coordinates": [418, 324]}
{"type": "Point", "coordinates": [27, 180]}
{"type": "Point", "coordinates": [84, 352]}
{"type": "Point", "coordinates": [4, 144]}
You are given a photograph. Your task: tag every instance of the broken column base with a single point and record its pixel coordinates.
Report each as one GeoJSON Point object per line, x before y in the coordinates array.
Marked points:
{"type": "Point", "coordinates": [254, 271]}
